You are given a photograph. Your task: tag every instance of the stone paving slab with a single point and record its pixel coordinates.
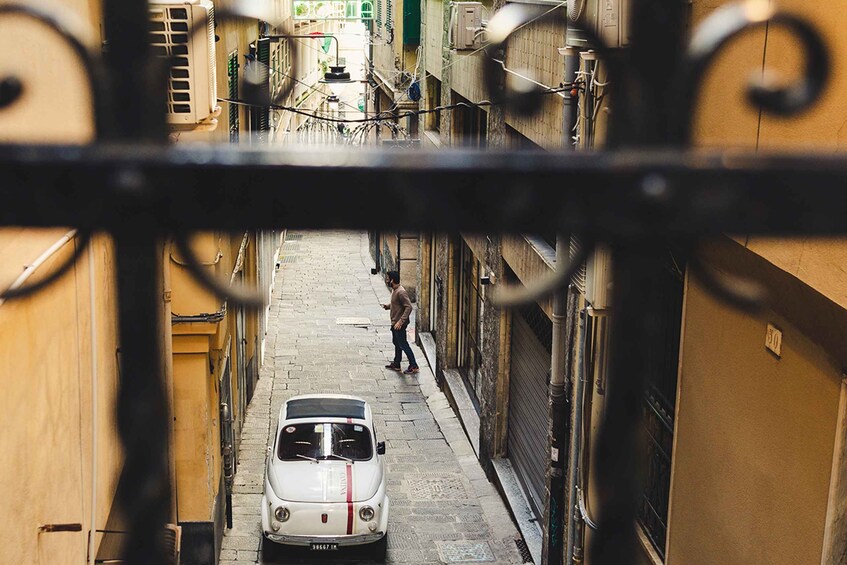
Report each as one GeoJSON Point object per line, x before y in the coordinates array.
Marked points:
{"type": "Point", "coordinates": [443, 510]}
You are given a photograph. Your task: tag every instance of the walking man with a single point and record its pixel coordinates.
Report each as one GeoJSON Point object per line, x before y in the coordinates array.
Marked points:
{"type": "Point", "coordinates": [401, 309]}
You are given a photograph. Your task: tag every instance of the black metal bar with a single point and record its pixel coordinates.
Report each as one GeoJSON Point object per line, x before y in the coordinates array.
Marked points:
{"type": "Point", "coordinates": [619, 465]}
{"type": "Point", "coordinates": [137, 82]}
{"type": "Point", "coordinates": [642, 99]}
{"type": "Point", "coordinates": [614, 194]}
{"type": "Point", "coordinates": [48, 528]}
{"type": "Point", "coordinates": [142, 404]}
{"type": "Point", "coordinates": [137, 109]}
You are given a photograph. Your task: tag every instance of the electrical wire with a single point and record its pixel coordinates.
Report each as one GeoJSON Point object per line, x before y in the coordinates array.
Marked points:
{"type": "Point", "coordinates": [389, 111]}
{"type": "Point", "coordinates": [535, 82]}
{"type": "Point", "coordinates": [311, 88]}
{"type": "Point", "coordinates": [378, 118]}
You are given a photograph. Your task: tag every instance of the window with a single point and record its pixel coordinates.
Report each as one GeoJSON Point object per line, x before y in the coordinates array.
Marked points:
{"type": "Point", "coordinates": [470, 124]}
{"type": "Point", "coordinates": [470, 359]}
{"type": "Point", "coordinates": [320, 441]}
{"type": "Point", "coordinates": [658, 408]}
{"type": "Point", "coordinates": [433, 100]}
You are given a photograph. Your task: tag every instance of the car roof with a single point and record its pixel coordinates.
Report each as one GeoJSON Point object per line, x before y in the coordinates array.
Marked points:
{"type": "Point", "coordinates": [325, 406]}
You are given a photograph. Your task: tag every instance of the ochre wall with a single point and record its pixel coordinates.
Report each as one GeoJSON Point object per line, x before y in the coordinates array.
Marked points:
{"type": "Point", "coordinates": [46, 372]}
{"type": "Point", "coordinates": [55, 106]}
{"type": "Point", "coordinates": [754, 440]}
{"type": "Point", "coordinates": [46, 367]}
{"type": "Point", "coordinates": [817, 262]}
{"type": "Point", "coordinates": [195, 487]}
{"type": "Point", "coordinates": [724, 119]}
{"type": "Point", "coordinates": [189, 297]}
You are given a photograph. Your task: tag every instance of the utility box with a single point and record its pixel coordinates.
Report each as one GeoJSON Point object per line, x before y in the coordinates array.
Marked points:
{"type": "Point", "coordinates": [184, 32]}
{"type": "Point", "coordinates": [610, 19]}
{"type": "Point", "coordinates": [465, 25]}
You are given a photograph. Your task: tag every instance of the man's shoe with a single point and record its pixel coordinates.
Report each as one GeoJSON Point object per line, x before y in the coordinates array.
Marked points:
{"type": "Point", "coordinates": [393, 367]}
{"type": "Point", "coordinates": [411, 370]}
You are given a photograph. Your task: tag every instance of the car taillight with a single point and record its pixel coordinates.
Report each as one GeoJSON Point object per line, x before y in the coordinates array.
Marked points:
{"type": "Point", "coordinates": [324, 518]}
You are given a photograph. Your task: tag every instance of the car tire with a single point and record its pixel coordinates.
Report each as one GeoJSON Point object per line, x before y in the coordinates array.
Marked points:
{"type": "Point", "coordinates": [379, 548]}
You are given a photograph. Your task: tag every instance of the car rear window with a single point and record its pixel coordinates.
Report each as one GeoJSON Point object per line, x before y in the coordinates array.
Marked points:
{"type": "Point", "coordinates": [322, 441]}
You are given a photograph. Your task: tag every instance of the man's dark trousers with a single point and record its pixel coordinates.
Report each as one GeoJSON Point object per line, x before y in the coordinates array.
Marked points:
{"type": "Point", "coordinates": [401, 345]}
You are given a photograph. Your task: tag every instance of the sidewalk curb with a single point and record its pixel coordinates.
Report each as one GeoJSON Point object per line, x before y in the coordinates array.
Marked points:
{"type": "Point", "coordinates": [463, 412]}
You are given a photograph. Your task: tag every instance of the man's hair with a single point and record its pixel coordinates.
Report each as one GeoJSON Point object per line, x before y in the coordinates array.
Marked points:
{"type": "Point", "coordinates": [393, 276]}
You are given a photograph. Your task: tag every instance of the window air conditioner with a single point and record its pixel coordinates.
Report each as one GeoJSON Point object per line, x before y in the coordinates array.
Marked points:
{"type": "Point", "coordinates": [608, 18]}
{"type": "Point", "coordinates": [192, 85]}
{"type": "Point", "coordinates": [465, 25]}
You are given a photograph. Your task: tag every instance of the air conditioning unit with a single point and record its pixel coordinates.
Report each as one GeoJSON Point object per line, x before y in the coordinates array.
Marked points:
{"type": "Point", "coordinates": [465, 25]}
{"type": "Point", "coordinates": [609, 19]}
{"type": "Point", "coordinates": [184, 30]}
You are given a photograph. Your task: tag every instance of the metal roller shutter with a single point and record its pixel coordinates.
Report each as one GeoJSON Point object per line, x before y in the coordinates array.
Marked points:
{"type": "Point", "coordinates": [528, 399]}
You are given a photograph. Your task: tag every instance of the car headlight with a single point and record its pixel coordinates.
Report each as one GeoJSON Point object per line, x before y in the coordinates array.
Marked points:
{"type": "Point", "coordinates": [281, 513]}
{"type": "Point", "coordinates": [366, 513]}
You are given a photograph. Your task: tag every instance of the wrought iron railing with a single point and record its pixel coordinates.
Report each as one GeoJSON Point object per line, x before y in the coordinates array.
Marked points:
{"type": "Point", "coordinates": [645, 190]}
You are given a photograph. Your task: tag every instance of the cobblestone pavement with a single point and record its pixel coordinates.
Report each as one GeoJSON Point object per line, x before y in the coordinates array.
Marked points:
{"type": "Point", "coordinates": [443, 509]}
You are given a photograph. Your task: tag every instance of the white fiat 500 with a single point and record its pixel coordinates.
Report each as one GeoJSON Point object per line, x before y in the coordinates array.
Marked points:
{"type": "Point", "coordinates": [324, 481]}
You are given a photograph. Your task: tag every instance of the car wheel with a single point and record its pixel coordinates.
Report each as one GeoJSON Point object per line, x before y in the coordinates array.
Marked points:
{"type": "Point", "coordinates": [378, 548]}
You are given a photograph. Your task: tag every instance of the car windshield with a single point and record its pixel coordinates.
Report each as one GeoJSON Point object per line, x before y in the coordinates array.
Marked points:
{"type": "Point", "coordinates": [324, 441]}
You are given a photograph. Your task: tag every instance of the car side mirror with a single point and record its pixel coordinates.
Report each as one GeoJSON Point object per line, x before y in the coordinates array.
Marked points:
{"type": "Point", "coordinates": [380, 448]}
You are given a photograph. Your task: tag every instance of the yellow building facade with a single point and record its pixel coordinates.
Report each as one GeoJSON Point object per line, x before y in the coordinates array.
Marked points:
{"type": "Point", "coordinates": [758, 472]}
{"type": "Point", "coordinates": [60, 350]}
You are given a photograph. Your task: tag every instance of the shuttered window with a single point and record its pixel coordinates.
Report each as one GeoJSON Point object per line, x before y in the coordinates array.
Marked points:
{"type": "Point", "coordinates": [232, 74]}
{"type": "Point", "coordinates": [528, 399]}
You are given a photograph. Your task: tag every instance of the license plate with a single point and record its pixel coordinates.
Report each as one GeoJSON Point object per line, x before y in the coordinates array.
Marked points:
{"type": "Point", "coordinates": [324, 546]}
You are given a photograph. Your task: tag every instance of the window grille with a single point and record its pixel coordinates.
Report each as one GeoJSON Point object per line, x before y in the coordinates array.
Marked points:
{"type": "Point", "coordinates": [232, 73]}
{"type": "Point", "coordinates": [659, 404]}
{"type": "Point", "coordinates": [470, 357]}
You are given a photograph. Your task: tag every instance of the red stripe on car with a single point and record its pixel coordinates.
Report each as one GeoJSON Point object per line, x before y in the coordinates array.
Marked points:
{"type": "Point", "coordinates": [349, 499]}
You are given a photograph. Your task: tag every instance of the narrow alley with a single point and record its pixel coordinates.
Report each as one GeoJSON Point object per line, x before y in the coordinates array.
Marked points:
{"type": "Point", "coordinates": [328, 333]}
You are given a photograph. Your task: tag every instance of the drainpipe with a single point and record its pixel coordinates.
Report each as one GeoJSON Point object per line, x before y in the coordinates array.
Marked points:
{"type": "Point", "coordinates": [228, 459]}
{"type": "Point", "coordinates": [558, 414]}
{"type": "Point", "coordinates": [398, 251]}
{"type": "Point", "coordinates": [35, 265]}
{"type": "Point", "coordinates": [569, 101]}
{"type": "Point", "coordinates": [574, 531]}
{"type": "Point", "coordinates": [92, 297]}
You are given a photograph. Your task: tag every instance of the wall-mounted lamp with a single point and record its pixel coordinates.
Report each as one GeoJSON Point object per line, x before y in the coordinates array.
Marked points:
{"type": "Point", "coordinates": [489, 279]}
{"type": "Point", "coordinates": [333, 101]}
